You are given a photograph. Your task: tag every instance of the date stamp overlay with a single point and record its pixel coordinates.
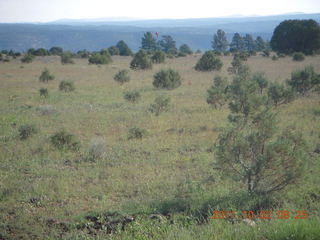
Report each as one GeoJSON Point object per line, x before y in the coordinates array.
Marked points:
{"type": "Point", "coordinates": [263, 214]}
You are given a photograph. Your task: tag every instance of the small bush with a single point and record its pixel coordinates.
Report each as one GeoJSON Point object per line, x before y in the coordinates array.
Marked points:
{"type": "Point", "coordinates": [28, 58]}
{"type": "Point", "coordinates": [136, 133]}
{"type": "Point", "coordinates": [66, 58]}
{"type": "Point", "coordinates": [161, 104]}
{"type": "Point", "coordinates": [303, 81]}
{"type": "Point", "coordinates": [184, 48]}
{"type": "Point", "coordinates": [64, 140]}
{"type": "Point", "coordinates": [132, 96]}
{"type": "Point", "coordinates": [265, 53]}
{"type": "Point", "coordinates": [66, 86]}
{"type": "Point", "coordinates": [97, 149]}
{"type": "Point", "coordinates": [274, 58]}
{"type": "Point", "coordinates": [100, 59]}
{"type": "Point", "coordinates": [46, 110]}
{"type": "Point", "coordinates": [44, 92]}
{"type": "Point", "coordinates": [122, 76]}
{"type": "Point", "coordinates": [209, 62]}
{"type": "Point", "coordinates": [46, 76]}
{"type": "Point", "coordinates": [141, 61]}
{"type": "Point", "coordinates": [158, 57]}
{"type": "Point", "coordinates": [167, 79]}
{"type": "Point", "coordinates": [298, 56]}
{"type": "Point", "coordinates": [113, 50]}
{"type": "Point", "coordinates": [26, 131]}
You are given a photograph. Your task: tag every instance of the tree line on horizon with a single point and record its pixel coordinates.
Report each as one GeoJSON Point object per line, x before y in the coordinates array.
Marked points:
{"type": "Point", "coordinates": [289, 36]}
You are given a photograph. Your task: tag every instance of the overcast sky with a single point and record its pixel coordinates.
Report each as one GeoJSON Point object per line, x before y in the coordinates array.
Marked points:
{"type": "Point", "coordinates": [49, 10]}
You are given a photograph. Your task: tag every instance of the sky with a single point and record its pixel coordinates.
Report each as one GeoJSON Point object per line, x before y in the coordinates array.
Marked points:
{"type": "Point", "coordinates": [51, 10]}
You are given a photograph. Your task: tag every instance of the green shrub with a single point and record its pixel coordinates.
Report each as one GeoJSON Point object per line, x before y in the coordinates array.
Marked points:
{"type": "Point", "coordinates": [46, 76]}
{"type": "Point", "coordinates": [44, 92]}
{"type": "Point", "coordinates": [64, 140]}
{"type": "Point", "coordinates": [113, 50]}
{"type": "Point", "coordinates": [167, 79]}
{"type": "Point", "coordinates": [279, 94]}
{"type": "Point", "coordinates": [28, 58]}
{"type": "Point", "coordinates": [66, 86]}
{"type": "Point", "coordinates": [132, 96]}
{"type": "Point", "coordinates": [26, 131]}
{"type": "Point", "coordinates": [184, 48]}
{"type": "Point", "coordinates": [274, 58]}
{"type": "Point", "coordinates": [209, 62]}
{"type": "Point", "coordinates": [266, 53]}
{"type": "Point", "coordinates": [161, 104]}
{"type": "Point", "coordinates": [304, 80]}
{"type": "Point", "coordinates": [124, 50]}
{"type": "Point", "coordinates": [100, 59]}
{"type": "Point", "coordinates": [217, 93]}
{"type": "Point", "coordinates": [136, 133]}
{"type": "Point", "coordinates": [122, 76]}
{"type": "Point", "coordinates": [66, 58]}
{"type": "Point", "coordinates": [158, 57]}
{"type": "Point", "coordinates": [141, 61]}
{"type": "Point", "coordinates": [298, 56]}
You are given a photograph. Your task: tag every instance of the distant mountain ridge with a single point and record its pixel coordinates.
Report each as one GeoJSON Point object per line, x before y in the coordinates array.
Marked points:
{"type": "Point", "coordinates": [96, 34]}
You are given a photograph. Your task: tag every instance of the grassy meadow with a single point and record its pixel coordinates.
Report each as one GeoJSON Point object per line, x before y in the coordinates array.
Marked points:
{"type": "Point", "coordinates": [45, 193]}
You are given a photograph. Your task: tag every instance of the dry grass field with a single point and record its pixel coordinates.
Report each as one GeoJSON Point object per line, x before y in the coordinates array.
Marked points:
{"type": "Point", "coordinates": [171, 169]}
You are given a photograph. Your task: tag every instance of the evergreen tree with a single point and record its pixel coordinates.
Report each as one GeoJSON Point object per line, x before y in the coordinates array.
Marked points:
{"type": "Point", "coordinates": [249, 44]}
{"type": "Point", "coordinates": [124, 50]}
{"type": "Point", "coordinates": [260, 44]}
{"type": "Point", "coordinates": [220, 42]}
{"type": "Point", "coordinates": [237, 43]}
{"type": "Point", "coordinates": [168, 45]}
{"type": "Point", "coordinates": [148, 42]}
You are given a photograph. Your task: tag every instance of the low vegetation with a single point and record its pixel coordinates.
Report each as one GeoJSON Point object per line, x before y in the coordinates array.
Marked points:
{"type": "Point", "coordinates": [239, 135]}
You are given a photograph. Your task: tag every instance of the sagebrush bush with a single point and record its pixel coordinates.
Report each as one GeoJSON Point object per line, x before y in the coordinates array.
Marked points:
{"type": "Point", "coordinates": [298, 56]}
{"type": "Point", "coordinates": [136, 133]}
{"type": "Point", "coordinates": [66, 86]}
{"type": "Point", "coordinates": [46, 76]}
{"type": "Point", "coordinates": [97, 149]}
{"type": "Point", "coordinates": [26, 131]}
{"type": "Point", "coordinates": [158, 57]}
{"type": "Point", "coordinates": [209, 62]}
{"type": "Point", "coordinates": [100, 58]}
{"type": "Point", "coordinates": [161, 104]}
{"type": "Point", "coordinates": [141, 61]}
{"type": "Point", "coordinates": [122, 76]}
{"type": "Point", "coordinates": [44, 92]}
{"type": "Point", "coordinates": [46, 110]}
{"type": "Point", "coordinates": [28, 58]}
{"type": "Point", "coordinates": [132, 96]}
{"type": "Point", "coordinates": [64, 140]}
{"type": "Point", "coordinates": [167, 79]}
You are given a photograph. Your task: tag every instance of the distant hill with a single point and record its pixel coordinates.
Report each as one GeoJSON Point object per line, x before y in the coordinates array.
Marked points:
{"type": "Point", "coordinates": [96, 34]}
